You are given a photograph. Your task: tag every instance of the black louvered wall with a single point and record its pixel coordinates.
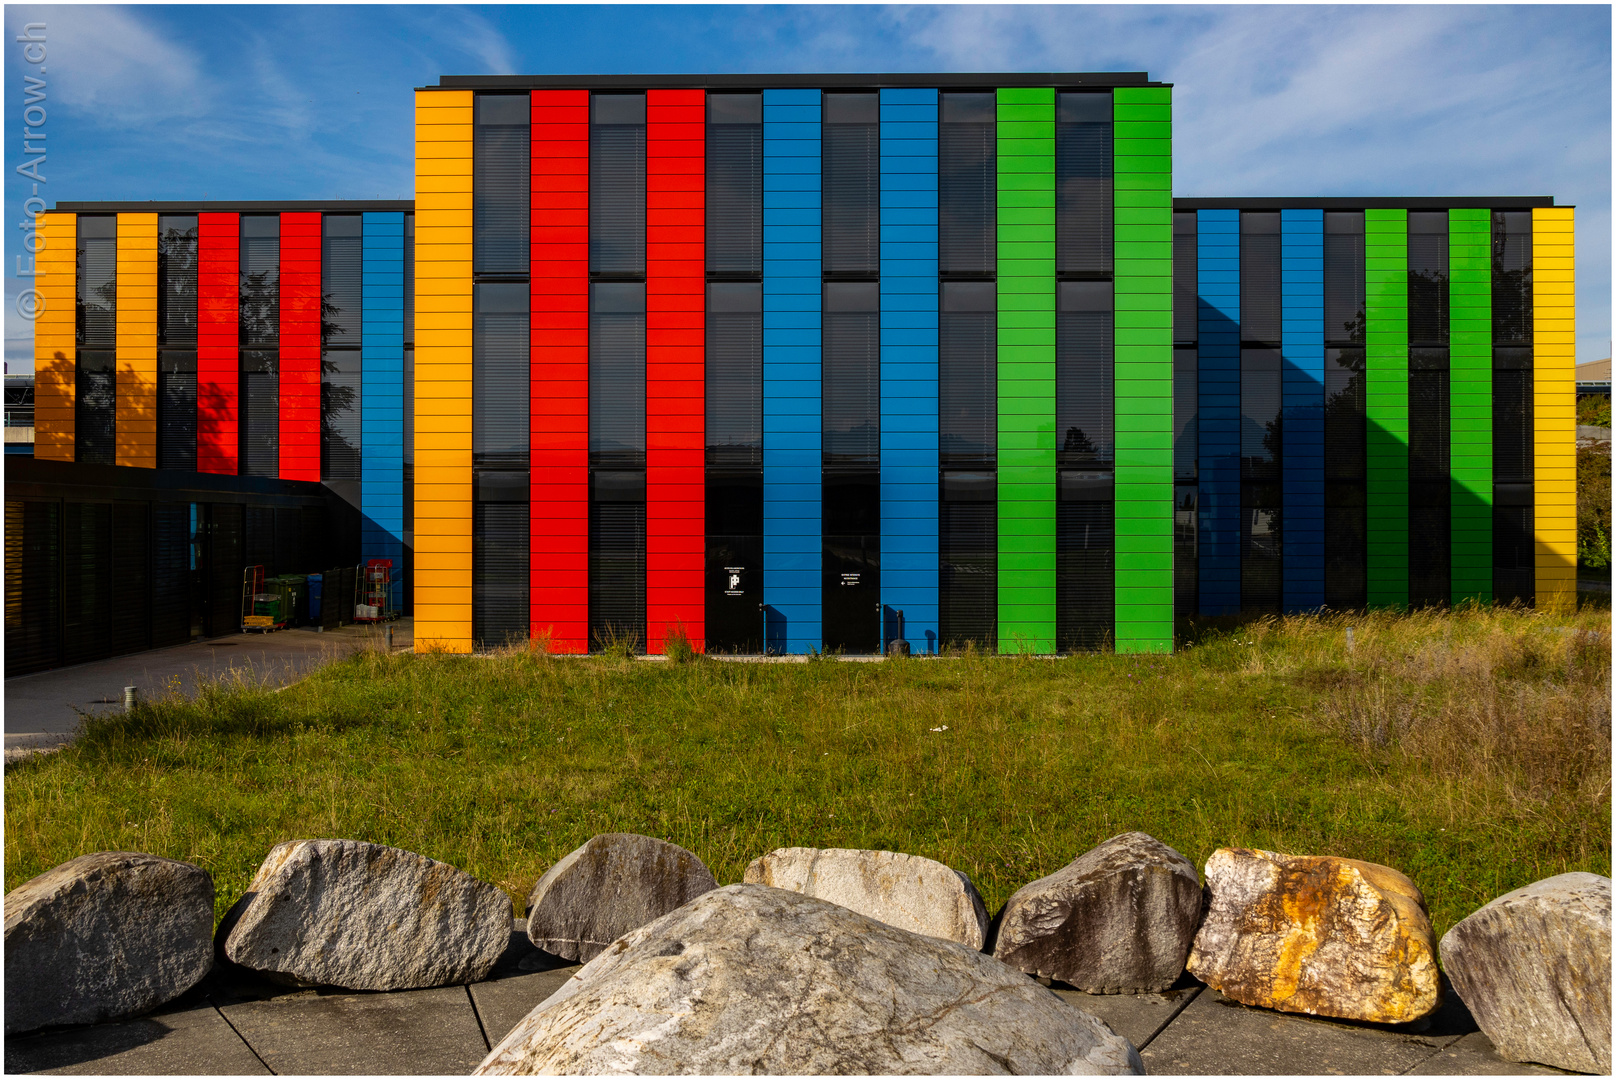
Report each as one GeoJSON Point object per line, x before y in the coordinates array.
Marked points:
{"type": "Point", "coordinates": [226, 548]}
{"type": "Point", "coordinates": [1429, 490]}
{"type": "Point", "coordinates": [1085, 542]}
{"type": "Point", "coordinates": [617, 565]}
{"type": "Point", "coordinates": [1261, 286]}
{"type": "Point", "coordinates": [734, 385]}
{"type": "Point", "coordinates": [968, 556]}
{"type": "Point", "coordinates": [851, 373]}
{"type": "Point", "coordinates": [1260, 478]}
{"type": "Point", "coordinates": [1344, 281]}
{"type": "Point", "coordinates": [734, 234]}
{"type": "Point", "coordinates": [131, 581]}
{"type": "Point", "coordinates": [851, 191]}
{"type": "Point", "coordinates": [967, 186]}
{"type": "Point", "coordinates": [170, 574]}
{"type": "Point", "coordinates": [617, 375]}
{"type": "Point", "coordinates": [500, 377]}
{"type": "Point", "coordinates": [341, 336]}
{"type": "Point", "coordinates": [499, 560]}
{"type": "Point", "coordinates": [1512, 277]}
{"type": "Point", "coordinates": [501, 167]}
{"type": "Point", "coordinates": [88, 575]}
{"type": "Point", "coordinates": [1083, 184]}
{"type": "Point", "coordinates": [33, 585]}
{"type": "Point", "coordinates": [176, 409]}
{"type": "Point", "coordinates": [95, 405]}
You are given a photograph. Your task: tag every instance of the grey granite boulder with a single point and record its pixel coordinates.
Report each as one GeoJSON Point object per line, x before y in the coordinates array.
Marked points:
{"type": "Point", "coordinates": [749, 979]}
{"type": "Point", "coordinates": [613, 884]}
{"type": "Point", "coordinates": [105, 936]}
{"type": "Point", "coordinates": [365, 917]}
{"type": "Point", "coordinates": [1533, 968]}
{"type": "Point", "coordinates": [912, 893]}
{"type": "Point", "coordinates": [1117, 919]}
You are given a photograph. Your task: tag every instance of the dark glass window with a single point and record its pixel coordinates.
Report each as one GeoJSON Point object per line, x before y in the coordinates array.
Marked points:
{"type": "Point", "coordinates": [500, 384]}
{"type": "Point", "coordinates": [1186, 267]}
{"type": "Point", "coordinates": [1260, 492]}
{"type": "Point", "coordinates": [501, 178]}
{"type": "Point", "coordinates": [968, 559]}
{"type": "Point", "coordinates": [617, 186]}
{"type": "Point", "coordinates": [409, 286]}
{"type": "Point", "coordinates": [1083, 183]}
{"type": "Point", "coordinates": [97, 281]}
{"type": "Point", "coordinates": [967, 186]}
{"type": "Point", "coordinates": [967, 376]}
{"type": "Point", "coordinates": [176, 280]}
{"type": "Point", "coordinates": [852, 376]}
{"type": "Point", "coordinates": [260, 412]}
{"type": "Point", "coordinates": [1512, 421]}
{"type": "Point", "coordinates": [735, 561]}
{"type": "Point", "coordinates": [617, 558]}
{"type": "Point", "coordinates": [341, 330]}
{"type": "Point", "coordinates": [1186, 550]}
{"type": "Point", "coordinates": [1344, 284]}
{"type": "Point", "coordinates": [1514, 554]}
{"type": "Point", "coordinates": [850, 563]}
{"type": "Point", "coordinates": [1084, 394]}
{"type": "Point", "coordinates": [735, 186]}
{"type": "Point", "coordinates": [1512, 277]}
{"type": "Point", "coordinates": [1345, 520]}
{"type": "Point", "coordinates": [95, 404]}
{"type": "Point", "coordinates": [1085, 542]}
{"type": "Point", "coordinates": [1186, 415]}
{"type": "Point", "coordinates": [1429, 493]}
{"type": "Point", "coordinates": [1261, 288]}
{"type": "Point", "coordinates": [260, 280]}
{"type": "Point", "coordinates": [1427, 277]}
{"type": "Point", "coordinates": [735, 375]}
{"type": "Point", "coordinates": [617, 375]}
{"type": "Point", "coordinates": [176, 409]}
{"type": "Point", "coordinates": [852, 186]}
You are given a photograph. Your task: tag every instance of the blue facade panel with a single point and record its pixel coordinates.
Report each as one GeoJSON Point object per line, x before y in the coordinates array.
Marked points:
{"type": "Point", "coordinates": [381, 393]}
{"type": "Point", "coordinates": [1218, 362]}
{"type": "Point", "coordinates": [792, 549]}
{"type": "Point", "coordinates": [909, 327]}
{"type": "Point", "coordinates": [1302, 270]}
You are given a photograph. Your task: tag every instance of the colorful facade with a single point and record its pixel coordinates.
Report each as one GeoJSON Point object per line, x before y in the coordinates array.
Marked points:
{"type": "Point", "coordinates": [845, 363]}
{"type": "Point", "coordinates": [249, 339]}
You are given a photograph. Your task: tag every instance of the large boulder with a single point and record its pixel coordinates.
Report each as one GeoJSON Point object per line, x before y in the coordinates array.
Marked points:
{"type": "Point", "coordinates": [1533, 968]}
{"type": "Point", "coordinates": [748, 979]}
{"type": "Point", "coordinates": [613, 884]}
{"type": "Point", "coordinates": [1318, 935]}
{"type": "Point", "coordinates": [105, 936]}
{"type": "Point", "coordinates": [365, 917]}
{"type": "Point", "coordinates": [1117, 919]}
{"type": "Point", "coordinates": [906, 891]}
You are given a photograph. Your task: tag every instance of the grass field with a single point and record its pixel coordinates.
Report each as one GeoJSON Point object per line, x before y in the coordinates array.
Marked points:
{"type": "Point", "coordinates": [1469, 750]}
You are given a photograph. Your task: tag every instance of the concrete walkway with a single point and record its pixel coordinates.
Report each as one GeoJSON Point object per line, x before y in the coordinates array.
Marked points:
{"type": "Point", "coordinates": [237, 1024]}
{"type": "Point", "coordinates": [43, 710]}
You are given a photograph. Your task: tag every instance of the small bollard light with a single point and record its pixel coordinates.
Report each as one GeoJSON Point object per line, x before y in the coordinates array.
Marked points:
{"type": "Point", "coordinates": [131, 697]}
{"type": "Point", "coordinates": [389, 637]}
{"type": "Point", "coordinates": [1349, 639]}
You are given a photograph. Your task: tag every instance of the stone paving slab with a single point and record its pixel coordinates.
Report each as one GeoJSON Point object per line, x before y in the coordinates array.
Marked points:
{"type": "Point", "coordinates": [502, 1002]}
{"type": "Point", "coordinates": [193, 1040]}
{"type": "Point", "coordinates": [1215, 1035]}
{"type": "Point", "coordinates": [405, 1033]}
{"type": "Point", "coordinates": [1473, 1055]}
{"type": "Point", "coordinates": [1136, 1017]}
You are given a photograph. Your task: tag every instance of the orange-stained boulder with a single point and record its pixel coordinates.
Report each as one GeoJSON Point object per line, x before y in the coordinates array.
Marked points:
{"type": "Point", "coordinates": [1315, 934]}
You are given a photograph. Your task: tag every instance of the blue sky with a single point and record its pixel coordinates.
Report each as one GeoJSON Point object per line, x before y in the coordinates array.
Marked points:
{"type": "Point", "coordinates": [191, 102]}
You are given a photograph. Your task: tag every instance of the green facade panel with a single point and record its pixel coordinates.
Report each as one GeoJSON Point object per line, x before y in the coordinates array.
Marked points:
{"type": "Point", "coordinates": [1470, 402]}
{"type": "Point", "coordinates": [1026, 382]}
{"type": "Point", "coordinates": [1143, 276]}
{"type": "Point", "coordinates": [1386, 404]}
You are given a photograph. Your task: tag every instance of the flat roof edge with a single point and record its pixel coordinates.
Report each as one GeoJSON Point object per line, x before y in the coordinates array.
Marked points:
{"type": "Point", "coordinates": [226, 206]}
{"type": "Point", "coordinates": [878, 80]}
{"type": "Point", "coordinates": [1378, 202]}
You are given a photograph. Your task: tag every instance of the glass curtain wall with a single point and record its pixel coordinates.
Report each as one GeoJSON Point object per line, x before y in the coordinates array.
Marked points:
{"type": "Point", "coordinates": [1186, 414]}
{"type": "Point", "coordinates": [850, 387]}
{"type": "Point", "coordinates": [341, 337]}
{"type": "Point", "coordinates": [95, 391]}
{"type": "Point", "coordinates": [260, 344]}
{"type": "Point", "coordinates": [1429, 494]}
{"type": "Point", "coordinates": [967, 384]}
{"type": "Point", "coordinates": [617, 369]}
{"type": "Point", "coordinates": [176, 341]}
{"type": "Point", "coordinates": [734, 374]}
{"type": "Point", "coordinates": [500, 369]}
{"type": "Point", "coordinates": [1085, 532]}
{"type": "Point", "coordinates": [1261, 335]}
{"type": "Point", "coordinates": [1346, 579]}
{"type": "Point", "coordinates": [1514, 554]}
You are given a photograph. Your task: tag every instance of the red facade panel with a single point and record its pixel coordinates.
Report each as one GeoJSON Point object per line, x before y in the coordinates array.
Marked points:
{"type": "Point", "coordinates": [675, 389]}
{"type": "Point", "coordinates": [558, 589]}
{"type": "Point", "coordinates": [218, 326]}
{"type": "Point", "coordinates": [300, 347]}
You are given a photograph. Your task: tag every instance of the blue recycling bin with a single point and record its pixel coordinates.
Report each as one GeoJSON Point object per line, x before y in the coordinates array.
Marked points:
{"type": "Point", "coordinates": [314, 598]}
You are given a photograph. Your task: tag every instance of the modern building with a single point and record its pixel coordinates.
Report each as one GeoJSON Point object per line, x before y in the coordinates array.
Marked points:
{"type": "Point", "coordinates": [799, 363]}
{"type": "Point", "coordinates": [20, 414]}
{"type": "Point", "coordinates": [237, 339]}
